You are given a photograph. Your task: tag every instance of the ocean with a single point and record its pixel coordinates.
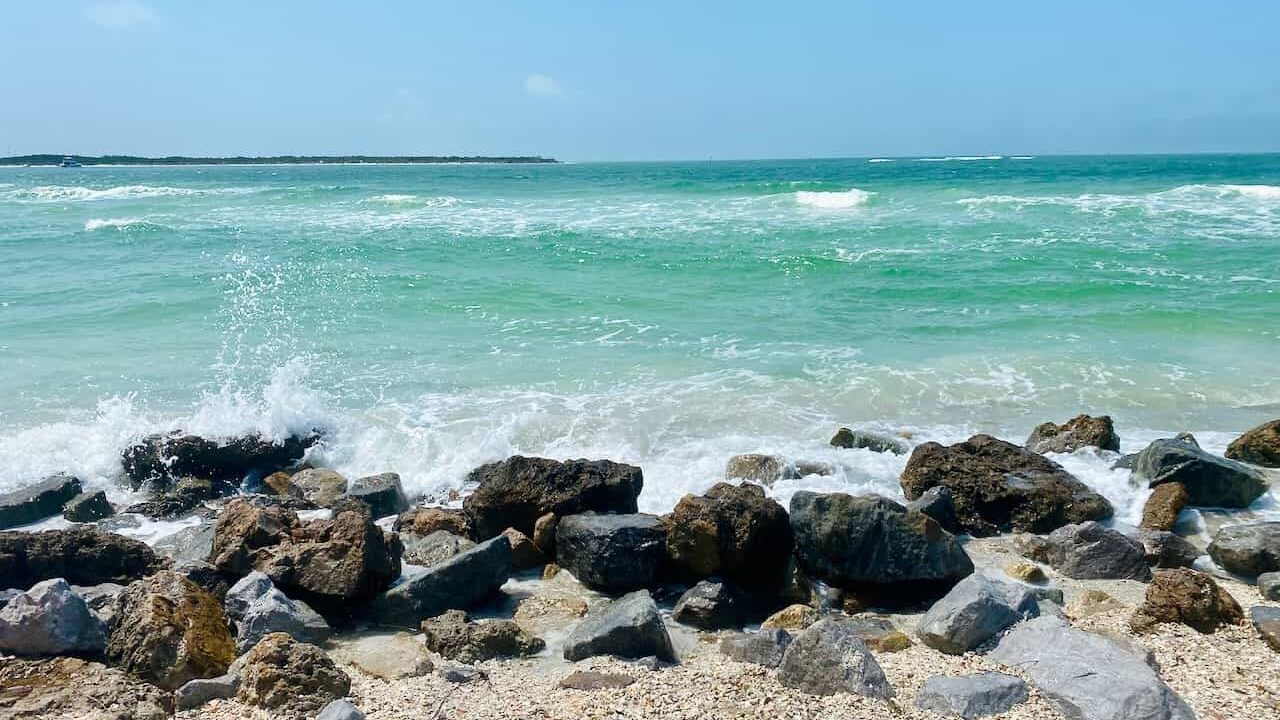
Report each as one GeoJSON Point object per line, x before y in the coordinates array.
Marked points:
{"type": "Point", "coordinates": [433, 318]}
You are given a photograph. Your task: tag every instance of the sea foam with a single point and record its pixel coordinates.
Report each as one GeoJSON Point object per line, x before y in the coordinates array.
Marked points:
{"type": "Point", "coordinates": [833, 200]}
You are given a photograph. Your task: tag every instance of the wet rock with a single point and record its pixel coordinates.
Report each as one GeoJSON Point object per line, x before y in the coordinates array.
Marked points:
{"type": "Point", "coordinates": [937, 503]}
{"type": "Point", "coordinates": [757, 468]}
{"type": "Point", "coordinates": [71, 688]}
{"type": "Point", "coordinates": [1249, 550]}
{"type": "Point", "coordinates": [1089, 551]}
{"type": "Point", "coordinates": [517, 491]}
{"type": "Point", "coordinates": [846, 438]}
{"type": "Point", "coordinates": [457, 583]}
{"type": "Point", "coordinates": [1259, 446]}
{"type": "Point", "coordinates": [1210, 481]}
{"type": "Point", "coordinates": [455, 636]}
{"type": "Point", "coordinates": [37, 501]}
{"type": "Point", "coordinates": [613, 553]}
{"type": "Point", "coordinates": [524, 554]}
{"type": "Point", "coordinates": [340, 710]}
{"type": "Point", "coordinates": [765, 648]}
{"type": "Point", "coordinates": [997, 486]}
{"type": "Point", "coordinates": [1269, 586]}
{"type": "Point", "coordinates": [88, 507]}
{"type": "Point", "coordinates": [629, 627]}
{"type": "Point", "coordinates": [1162, 508]}
{"type": "Point", "coordinates": [1166, 550]}
{"type": "Point", "coordinates": [201, 691]}
{"type": "Point", "coordinates": [1266, 620]}
{"type": "Point", "coordinates": [1187, 597]}
{"type": "Point", "coordinates": [434, 548]}
{"type": "Point", "coordinates": [792, 617]}
{"type": "Point", "coordinates": [971, 696]}
{"type": "Point", "coordinates": [592, 680]}
{"type": "Point", "coordinates": [169, 631]}
{"type": "Point", "coordinates": [388, 657]}
{"type": "Point", "coordinates": [289, 677]}
{"type": "Point", "coordinates": [829, 658]}
{"type": "Point", "coordinates": [1078, 432]}
{"type": "Point", "coordinates": [50, 619]}
{"type": "Point", "coordinates": [423, 521]}
{"type": "Point", "coordinates": [976, 610]}
{"type": "Point", "coordinates": [159, 459]}
{"type": "Point", "coordinates": [875, 546]}
{"type": "Point", "coordinates": [383, 493]}
{"type": "Point", "coordinates": [711, 606]}
{"type": "Point", "coordinates": [731, 531]}
{"type": "Point", "coordinates": [81, 555]}
{"type": "Point", "coordinates": [1088, 676]}
{"type": "Point", "coordinates": [320, 486]}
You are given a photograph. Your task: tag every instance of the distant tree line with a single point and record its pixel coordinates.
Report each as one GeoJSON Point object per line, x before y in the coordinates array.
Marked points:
{"type": "Point", "coordinates": [272, 160]}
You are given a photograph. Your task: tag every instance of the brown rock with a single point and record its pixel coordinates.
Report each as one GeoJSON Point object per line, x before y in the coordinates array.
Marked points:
{"type": "Point", "coordinates": [1026, 572]}
{"type": "Point", "coordinates": [81, 555]}
{"type": "Point", "coordinates": [387, 657]}
{"type": "Point", "coordinates": [1162, 508]}
{"type": "Point", "coordinates": [242, 529]}
{"type": "Point", "coordinates": [72, 688]}
{"type": "Point", "coordinates": [281, 483]}
{"type": "Point", "coordinates": [455, 636]}
{"type": "Point", "coordinates": [329, 563]}
{"type": "Point", "coordinates": [426, 520]}
{"type": "Point", "coordinates": [1185, 596]}
{"type": "Point", "coordinates": [524, 554]}
{"type": "Point", "coordinates": [1093, 602]}
{"type": "Point", "coordinates": [1260, 446]}
{"type": "Point", "coordinates": [794, 617]}
{"type": "Point", "coordinates": [1078, 432]}
{"type": "Point", "coordinates": [289, 677]}
{"type": "Point", "coordinates": [544, 534]}
{"type": "Point", "coordinates": [732, 531]}
{"type": "Point", "coordinates": [754, 467]}
{"type": "Point", "coordinates": [321, 486]}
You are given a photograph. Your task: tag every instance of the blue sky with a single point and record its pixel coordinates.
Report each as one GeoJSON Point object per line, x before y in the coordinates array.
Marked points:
{"type": "Point", "coordinates": [652, 80]}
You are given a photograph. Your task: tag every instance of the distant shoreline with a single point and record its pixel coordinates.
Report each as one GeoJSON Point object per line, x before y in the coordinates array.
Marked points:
{"type": "Point", "coordinates": [45, 160]}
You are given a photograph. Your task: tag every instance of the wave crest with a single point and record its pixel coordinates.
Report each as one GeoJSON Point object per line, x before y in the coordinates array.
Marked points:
{"type": "Point", "coordinates": [65, 193]}
{"type": "Point", "coordinates": [840, 200]}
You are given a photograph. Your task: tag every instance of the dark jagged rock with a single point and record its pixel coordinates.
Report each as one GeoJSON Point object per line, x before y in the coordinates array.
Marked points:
{"type": "Point", "coordinates": [1162, 508]}
{"type": "Point", "coordinates": [731, 531]}
{"type": "Point", "coordinates": [184, 495]}
{"type": "Point", "coordinates": [1260, 445]}
{"type": "Point", "coordinates": [72, 688]}
{"type": "Point", "coordinates": [456, 636]}
{"type": "Point", "coordinates": [830, 658]}
{"type": "Point", "coordinates": [1210, 481]}
{"type": "Point", "coordinates": [455, 584]}
{"type": "Point", "coordinates": [37, 501]}
{"type": "Point", "coordinates": [629, 627]}
{"type": "Point", "coordinates": [613, 553]}
{"type": "Point", "coordinates": [159, 459]}
{"type": "Point", "coordinates": [1078, 432]}
{"type": "Point", "coordinates": [383, 493]}
{"type": "Point", "coordinates": [997, 486]}
{"type": "Point", "coordinates": [764, 648]}
{"type": "Point", "coordinates": [1187, 597]}
{"type": "Point", "coordinates": [936, 502]}
{"type": "Point", "coordinates": [1163, 549]}
{"type": "Point", "coordinates": [289, 677]}
{"type": "Point", "coordinates": [711, 606]}
{"type": "Point", "coordinates": [975, 610]}
{"type": "Point", "coordinates": [434, 548]}
{"type": "Point", "coordinates": [1249, 550]}
{"type": "Point", "coordinates": [1089, 551]}
{"type": "Point", "coordinates": [875, 546]}
{"type": "Point", "coordinates": [849, 439]}
{"type": "Point", "coordinates": [80, 555]}
{"type": "Point", "coordinates": [88, 507]}
{"type": "Point", "coordinates": [517, 491]}
{"type": "Point", "coordinates": [524, 554]}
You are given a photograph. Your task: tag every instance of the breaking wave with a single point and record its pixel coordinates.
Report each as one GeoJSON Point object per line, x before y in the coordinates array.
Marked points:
{"type": "Point", "coordinates": [833, 200]}
{"type": "Point", "coordinates": [64, 193]}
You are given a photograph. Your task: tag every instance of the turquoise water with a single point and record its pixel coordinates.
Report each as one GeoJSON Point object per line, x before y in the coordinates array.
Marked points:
{"type": "Point", "coordinates": [669, 314]}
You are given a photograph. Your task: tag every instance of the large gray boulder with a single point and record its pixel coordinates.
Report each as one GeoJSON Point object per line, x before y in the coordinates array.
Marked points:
{"type": "Point", "coordinates": [434, 548]}
{"type": "Point", "coordinates": [975, 610]}
{"type": "Point", "coordinates": [1210, 480]}
{"type": "Point", "coordinates": [517, 491]}
{"type": "Point", "coordinates": [971, 696]}
{"type": "Point", "coordinates": [200, 691]}
{"type": "Point", "coordinates": [937, 503]}
{"type": "Point", "coordinates": [613, 553]}
{"type": "Point", "coordinates": [88, 507]}
{"type": "Point", "coordinates": [382, 493]}
{"type": "Point", "coordinates": [629, 627]}
{"type": "Point", "coordinates": [764, 648]}
{"type": "Point", "coordinates": [37, 501]}
{"type": "Point", "coordinates": [1088, 676]}
{"type": "Point", "coordinates": [274, 611]}
{"type": "Point", "coordinates": [50, 619]}
{"type": "Point", "coordinates": [1166, 550]}
{"type": "Point", "coordinates": [830, 658]}
{"type": "Point", "coordinates": [711, 605]}
{"type": "Point", "coordinates": [246, 590]}
{"type": "Point", "coordinates": [1089, 551]}
{"type": "Point", "coordinates": [875, 546]}
{"type": "Point", "coordinates": [455, 584]}
{"type": "Point", "coordinates": [1250, 549]}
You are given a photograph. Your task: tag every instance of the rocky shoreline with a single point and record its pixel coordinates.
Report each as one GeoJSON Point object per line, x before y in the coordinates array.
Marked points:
{"type": "Point", "coordinates": [1000, 588]}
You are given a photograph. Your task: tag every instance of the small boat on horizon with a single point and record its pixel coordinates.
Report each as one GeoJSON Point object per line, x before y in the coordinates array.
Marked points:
{"type": "Point", "coordinates": [68, 161]}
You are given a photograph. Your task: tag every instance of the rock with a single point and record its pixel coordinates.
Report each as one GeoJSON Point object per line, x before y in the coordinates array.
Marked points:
{"type": "Point", "coordinates": [383, 493]}
{"type": "Point", "coordinates": [185, 495]}
{"type": "Point", "coordinates": [1164, 505]}
{"type": "Point", "coordinates": [1089, 551]}
{"type": "Point", "coordinates": [37, 501]}
{"type": "Point", "coordinates": [423, 521]}
{"type": "Point", "coordinates": [629, 627]}
{"type": "Point", "coordinates": [246, 590]}
{"type": "Point", "coordinates": [711, 606]}
{"type": "Point", "coordinates": [975, 610]}
{"type": "Point", "coordinates": [462, 675]}
{"type": "Point", "coordinates": [159, 459]}
{"type": "Point", "coordinates": [205, 576]}
{"type": "Point", "coordinates": [286, 676]}
{"type": "Point", "coordinates": [517, 491]}
{"type": "Point", "coordinates": [340, 710]}
{"type": "Point", "coordinates": [612, 553]}
{"type": "Point", "coordinates": [846, 438]}
{"type": "Point", "coordinates": [1078, 432]}
{"type": "Point", "coordinates": [457, 583]}
{"type": "Point", "coordinates": [796, 587]}
{"type": "Point", "coordinates": [387, 657]}
{"type": "Point", "coordinates": [734, 532]}
{"type": "Point", "coordinates": [281, 484]}
{"type": "Point", "coordinates": [455, 636]}
{"type": "Point", "coordinates": [50, 619]}
{"type": "Point", "coordinates": [997, 486]}
{"type": "Point", "coordinates": [101, 601]}
{"type": "Point", "coordinates": [829, 658]}
{"type": "Point", "coordinates": [592, 680]}
{"type": "Point", "coordinates": [1026, 572]}
{"type": "Point", "coordinates": [243, 529]}
{"type": "Point", "coordinates": [434, 548]}
{"type": "Point", "coordinates": [1188, 597]}
{"type": "Point", "coordinates": [1165, 550]}
{"type": "Point", "coordinates": [1092, 602]}
{"type": "Point", "coordinates": [936, 502]}
{"type": "Point", "coordinates": [763, 469]}
{"type": "Point", "coordinates": [1249, 550]}
{"type": "Point", "coordinates": [80, 555]}
{"type": "Point", "coordinates": [544, 533]}
{"type": "Point", "coordinates": [1210, 481]}
{"type": "Point", "coordinates": [1125, 462]}
{"type": "Point", "coordinates": [200, 691]}
{"type": "Point", "coordinates": [1088, 676]}
{"type": "Point", "coordinates": [1269, 586]}
{"type": "Point", "coordinates": [878, 633]}
{"type": "Point", "coordinates": [169, 631]}
{"type": "Point", "coordinates": [274, 612]}
{"type": "Point", "coordinates": [875, 546]}
{"type": "Point", "coordinates": [1266, 620]}
{"type": "Point", "coordinates": [1260, 446]}
{"type": "Point", "coordinates": [71, 688]}
{"type": "Point", "coordinates": [971, 696]}
{"type": "Point", "coordinates": [88, 507]}
{"type": "Point", "coordinates": [524, 554]}
{"type": "Point", "coordinates": [190, 543]}
{"type": "Point", "coordinates": [792, 617]}
{"type": "Point", "coordinates": [321, 486]}
{"type": "Point", "coordinates": [764, 648]}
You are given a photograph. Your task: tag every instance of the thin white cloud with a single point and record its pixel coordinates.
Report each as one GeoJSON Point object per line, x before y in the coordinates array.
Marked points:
{"type": "Point", "coordinates": [540, 85]}
{"type": "Point", "coordinates": [120, 14]}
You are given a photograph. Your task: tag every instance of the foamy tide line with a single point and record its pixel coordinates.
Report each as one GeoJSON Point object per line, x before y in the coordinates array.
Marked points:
{"type": "Point", "coordinates": [835, 200]}
{"type": "Point", "coordinates": [399, 199]}
{"type": "Point", "coordinates": [61, 193]}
